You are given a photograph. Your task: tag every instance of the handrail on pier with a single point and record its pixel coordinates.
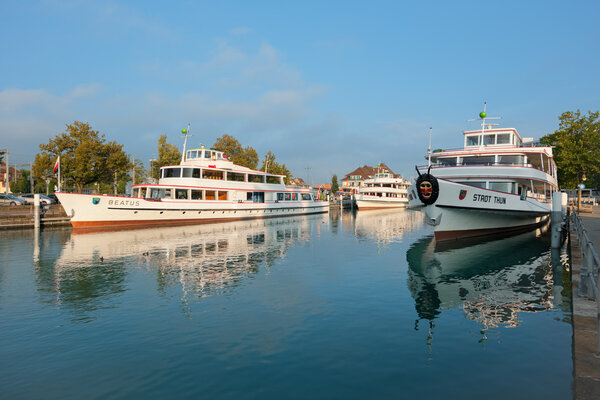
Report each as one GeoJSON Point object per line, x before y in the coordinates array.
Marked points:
{"type": "Point", "coordinates": [590, 271]}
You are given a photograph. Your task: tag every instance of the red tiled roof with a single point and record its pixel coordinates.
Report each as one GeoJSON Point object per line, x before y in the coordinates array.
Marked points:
{"type": "Point", "coordinates": [367, 171]}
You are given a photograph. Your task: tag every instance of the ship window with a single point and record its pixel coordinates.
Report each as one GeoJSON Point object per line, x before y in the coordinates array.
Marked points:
{"type": "Point", "coordinates": [288, 196]}
{"type": "Point", "coordinates": [249, 196]}
{"type": "Point", "coordinates": [258, 197]}
{"type": "Point", "coordinates": [476, 184]}
{"type": "Point", "coordinates": [207, 154]}
{"type": "Point", "coordinates": [510, 160]}
{"type": "Point", "coordinates": [187, 172]}
{"type": "Point", "coordinates": [172, 172]}
{"type": "Point", "coordinates": [305, 196]}
{"type": "Point", "coordinates": [503, 138]}
{"type": "Point", "coordinates": [478, 160]}
{"type": "Point", "coordinates": [210, 195]}
{"type": "Point", "coordinates": [167, 194]}
{"type": "Point", "coordinates": [210, 174]}
{"type": "Point", "coordinates": [222, 195]}
{"type": "Point", "coordinates": [489, 139]}
{"type": "Point", "coordinates": [196, 194]}
{"type": "Point", "coordinates": [196, 173]}
{"type": "Point", "coordinates": [505, 187]}
{"type": "Point", "coordinates": [272, 179]}
{"type": "Point", "coordinates": [473, 140]}
{"type": "Point", "coordinates": [192, 154]}
{"type": "Point", "coordinates": [280, 196]}
{"type": "Point", "coordinates": [295, 196]}
{"type": "Point", "coordinates": [450, 161]}
{"type": "Point", "coordinates": [234, 176]}
{"type": "Point", "coordinates": [181, 194]}
{"type": "Point", "coordinates": [255, 178]}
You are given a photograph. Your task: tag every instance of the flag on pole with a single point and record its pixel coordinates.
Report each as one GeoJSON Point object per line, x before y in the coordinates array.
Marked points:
{"type": "Point", "coordinates": [56, 165]}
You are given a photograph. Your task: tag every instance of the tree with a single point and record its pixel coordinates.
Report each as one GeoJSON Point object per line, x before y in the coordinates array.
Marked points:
{"type": "Point", "coordinates": [22, 184]}
{"type": "Point", "coordinates": [141, 173]}
{"type": "Point", "coordinates": [84, 157]}
{"type": "Point", "coordinates": [576, 148]}
{"type": "Point", "coordinates": [272, 166]}
{"type": "Point", "coordinates": [334, 184]}
{"type": "Point", "coordinates": [246, 156]}
{"type": "Point", "coordinates": [168, 154]}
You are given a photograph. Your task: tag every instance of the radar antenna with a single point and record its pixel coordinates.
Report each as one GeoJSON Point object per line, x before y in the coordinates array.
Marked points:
{"type": "Point", "coordinates": [483, 117]}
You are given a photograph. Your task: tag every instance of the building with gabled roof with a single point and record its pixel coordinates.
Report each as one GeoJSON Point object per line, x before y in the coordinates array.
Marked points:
{"type": "Point", "coordinates": [353, 180]}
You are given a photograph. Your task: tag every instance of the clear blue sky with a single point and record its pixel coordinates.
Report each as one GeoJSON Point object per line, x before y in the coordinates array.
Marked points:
{"type": "Point", "coordinates": [325, 85]}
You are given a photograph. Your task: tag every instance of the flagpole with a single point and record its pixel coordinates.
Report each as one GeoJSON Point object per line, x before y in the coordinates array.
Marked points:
{"type": "Point", "coordinates": [59, 185]}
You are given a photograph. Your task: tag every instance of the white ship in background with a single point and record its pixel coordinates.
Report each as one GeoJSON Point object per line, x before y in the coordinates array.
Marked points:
{"type": "Point", "coordinates": [498, 182]}
{"type": "Point", "coordinates": [205, 187]}
{"type": "Point", "coordinates": [383, 190]}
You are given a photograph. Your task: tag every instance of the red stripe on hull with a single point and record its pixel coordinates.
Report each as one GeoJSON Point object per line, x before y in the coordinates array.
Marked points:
{"type": "Point", "coordinates": [441, 236]}
{"type": "Point", "coordinates": [98, 226]}
{"type": "Point", "coordinates": [379, 208]}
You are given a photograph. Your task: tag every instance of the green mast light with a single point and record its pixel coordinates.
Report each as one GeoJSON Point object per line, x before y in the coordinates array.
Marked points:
{"type": "Point", "coordinates": [184, 130]}
{"type": "Point", "coordinates": [482, 114]}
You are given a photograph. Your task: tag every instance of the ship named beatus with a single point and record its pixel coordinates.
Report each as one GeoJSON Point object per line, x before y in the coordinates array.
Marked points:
{"type": "Point", "coordinates": [205, 187]}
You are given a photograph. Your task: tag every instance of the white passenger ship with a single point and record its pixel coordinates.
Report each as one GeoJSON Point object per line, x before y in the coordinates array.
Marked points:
{"type": "Point", "coordinates": [205, 187]}
{"type": "Point", "coordinates": [383, 190]}
{"type": "Point", "coordinates": [499, 182]}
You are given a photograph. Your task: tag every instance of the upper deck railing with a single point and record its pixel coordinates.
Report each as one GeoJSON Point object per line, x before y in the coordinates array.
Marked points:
{"type": "Point", "coordinates": [491, 147]}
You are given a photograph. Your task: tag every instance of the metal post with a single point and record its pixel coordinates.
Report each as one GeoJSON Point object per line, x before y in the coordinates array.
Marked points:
{"type": "Point", "coordinates": [7, 172]}
{"type": "Point", "coordinates": [36, 211]}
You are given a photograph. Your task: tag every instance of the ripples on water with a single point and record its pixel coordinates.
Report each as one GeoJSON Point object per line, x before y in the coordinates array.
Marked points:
{"type": "Point", "coordinates": [362, 305]}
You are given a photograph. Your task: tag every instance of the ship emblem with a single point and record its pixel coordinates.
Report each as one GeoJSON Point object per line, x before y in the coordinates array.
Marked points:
{"type": "Point", "coordinates": [426, 189]}
{"type": "Point", "coordinates": [95, 200]}
{"type": "Point", "coordinates": [462, 194]}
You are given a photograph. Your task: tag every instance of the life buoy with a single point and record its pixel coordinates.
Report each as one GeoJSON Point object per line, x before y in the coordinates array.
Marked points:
{"type": "Point", "coordinates": [428, 188]}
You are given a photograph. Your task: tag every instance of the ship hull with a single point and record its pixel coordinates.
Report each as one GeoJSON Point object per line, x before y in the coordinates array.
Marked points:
{"type": "Point", "coordinates": [464, 211]}
{"type": "Point", "coordinates": [93, 212]}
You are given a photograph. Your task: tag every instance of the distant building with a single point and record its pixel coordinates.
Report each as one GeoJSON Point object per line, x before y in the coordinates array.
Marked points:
{"type": "Point", "coordinates": [297, 182]}
{"type": "Point", "coordinates": [353, 180]}
{"type": "Point", "coordinates": [323, 188]}
{"type": "Point", "coordinates": [13, 175]}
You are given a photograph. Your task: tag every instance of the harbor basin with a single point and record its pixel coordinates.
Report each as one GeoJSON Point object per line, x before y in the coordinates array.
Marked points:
{"type": "Point", "coordinates": [345, 305]}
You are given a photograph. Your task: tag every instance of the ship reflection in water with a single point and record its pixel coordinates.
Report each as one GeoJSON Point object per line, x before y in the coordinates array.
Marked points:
{"type": "Point", "coordinates": [493, 283]}
{"type": "Point", "coordinates": [199, 260]}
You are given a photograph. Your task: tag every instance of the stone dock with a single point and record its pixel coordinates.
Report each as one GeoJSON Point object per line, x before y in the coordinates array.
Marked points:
{"type": "Point", "coordinates": [586, 354]}
{"type": "Point", "coordinates": [21, 217]}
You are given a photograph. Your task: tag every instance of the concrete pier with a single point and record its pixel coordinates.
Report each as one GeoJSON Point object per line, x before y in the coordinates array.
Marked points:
{"type": "Point", "coordinates": [586, 355]}
{"type": "Point", "coordinates": [24, 217]}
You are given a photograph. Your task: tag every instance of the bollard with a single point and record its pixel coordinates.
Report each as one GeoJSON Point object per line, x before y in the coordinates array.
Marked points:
{"type": "Point", "coordinates": [36, 211]}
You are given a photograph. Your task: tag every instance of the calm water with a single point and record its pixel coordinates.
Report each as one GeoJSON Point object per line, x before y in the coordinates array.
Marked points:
{"type": "Point", "coordinates": [332, 306]}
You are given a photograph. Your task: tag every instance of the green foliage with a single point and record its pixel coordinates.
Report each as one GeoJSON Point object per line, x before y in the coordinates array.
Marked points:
{"type": "Point", "coordinates": [168, 154]}
{"type": "Point", "coordinates": [576, 148]}
{"type": "Point", "coordinates": [334, 184]}
{"type": "Point", "coordinates": [246, 156]}
{"type": "Point", "coordinates": [273, 167]}
{"type": "Point", "coordinates": [85, 158]}
{"type": "Point", "coordinates": [21, 185]}
{"type": "Point", "coordinates": [141, 173]}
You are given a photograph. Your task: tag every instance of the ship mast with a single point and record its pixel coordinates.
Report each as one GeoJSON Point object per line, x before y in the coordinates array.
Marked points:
{"type": "Point", "coordinates": [185, 132]}
{"type": "Point", "coordinates": [429, 149]}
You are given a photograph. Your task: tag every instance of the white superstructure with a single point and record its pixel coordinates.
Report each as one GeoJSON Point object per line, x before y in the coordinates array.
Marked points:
{"type": "Point", "coordinates": [205, 187]}
{"type": "Point", "coordinates": [498, 182]}
{"type": "Point", "coordinates": [383, 190]}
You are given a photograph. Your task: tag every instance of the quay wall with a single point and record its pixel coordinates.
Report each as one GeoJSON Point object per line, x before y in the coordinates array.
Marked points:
{"type": "Point", "coordinates": [22, 217]}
